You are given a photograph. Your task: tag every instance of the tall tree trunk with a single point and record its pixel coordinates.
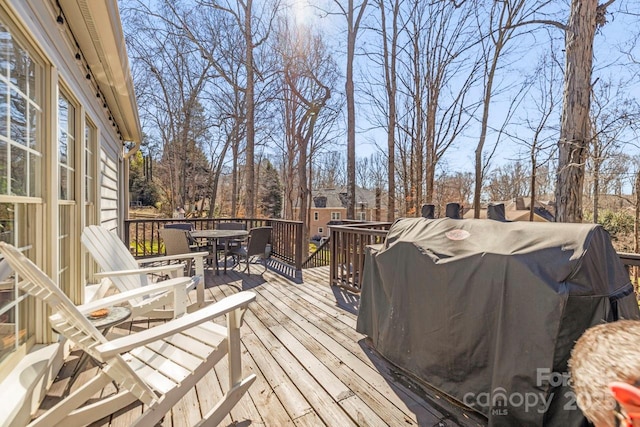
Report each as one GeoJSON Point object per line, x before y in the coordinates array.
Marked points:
{"type": "Point", "coordinates": [304, 191]}
{"type": "Point", "coordinates": [234, 172]}
{"type": "Point", "coordinates": [636, 229]}
{"type": "Point", "coordinates": [351, 121]}
{"type": "Point", "coordinates": [418, 102]}
{"type": "Point", "coordinates": [532, 187]}
{"type": "Point", "coordinates": [596, 189]}
{"type": "Point", "coordinates": [353, 24]}
{"type": "Point", "coordinates": [391, 88]}
{"type": "Point", "coordinates": [430, 146]}
{"type": "Point", "coordinates": [483, 133]}
{"type": "Point", "coordinates": [574, 125]}
{"type": "Point", "coordinates": [250, 99]}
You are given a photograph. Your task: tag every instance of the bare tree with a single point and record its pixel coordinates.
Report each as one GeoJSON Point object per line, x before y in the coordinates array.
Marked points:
{"type": "Point", "coordinates": [206, 34]}
{"type": "Point", "coordinates": [352, 11]}
{"type": "Point", "coordinates": [612, 112]}
{"type": "Point", "coordinates": [171, 81]}
{"type": "Point", "coordinates": [389, 35]}
{"type": "Point", "coordinates": [308, 74]}
{"type": "Point", "coordinates": [575, 132]}
{"type": "Point", "coordinates": [503, 20]}
{"type": "Point", "coordinates": [329, 170]}
{"type": "Point", "coordinates": [452, 188]}
{"type": "Point", "coordinates": [543, 100]}
{"type": "Point", "coordinates": [508, 182]}
{"type": "Point", "coordinates": [448, 74]}
{"type": "Point", "coordinates": [372, 171]}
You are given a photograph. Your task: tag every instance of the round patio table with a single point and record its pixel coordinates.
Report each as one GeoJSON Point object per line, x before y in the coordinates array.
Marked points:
{"type": "Point", "coordinates": [116, 316]}
{"type": "Point", "coordinates": [216, 236]}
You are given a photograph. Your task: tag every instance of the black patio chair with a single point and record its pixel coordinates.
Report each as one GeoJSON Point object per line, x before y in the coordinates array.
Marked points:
{"type": "Point", "coordinates": [256, 246]}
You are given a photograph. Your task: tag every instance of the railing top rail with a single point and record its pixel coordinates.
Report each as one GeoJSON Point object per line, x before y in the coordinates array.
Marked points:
{"type": "Point", "coordinates": [139, 220]}
{"type": "Point", "coordinates": [629, 258]}
{"type": "Point", "coordinates": [362, 225]}
{"type": "Point", "coordinates": [365, 229]}
{"type": "Point", "coordinates": [629, 255]}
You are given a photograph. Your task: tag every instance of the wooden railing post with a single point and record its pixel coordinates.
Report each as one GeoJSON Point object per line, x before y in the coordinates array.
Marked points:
{"type": "Point", "coordinates": [298, 247]}
{"type": "Point", "coordinates": [333, 239]}
{"type": "Point", "coordinates": [127, 234]}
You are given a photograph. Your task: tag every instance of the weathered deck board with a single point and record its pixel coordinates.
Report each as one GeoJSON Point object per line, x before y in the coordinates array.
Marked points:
{"type": "Point", "coordinates": [315, 332]}
{"type": "Point", "coordinates": [312, 367]}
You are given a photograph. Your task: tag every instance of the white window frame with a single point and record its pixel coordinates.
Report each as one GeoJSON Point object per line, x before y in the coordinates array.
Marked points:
{"type": "Point", "coordinates": [25, 209]}
{"type": "Point", "coordinates": [335, 216]}
{"type": "Point", "coordinates": [68, 217]}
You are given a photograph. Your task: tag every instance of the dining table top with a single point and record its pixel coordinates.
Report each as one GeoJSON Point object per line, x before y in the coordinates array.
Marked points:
{"type": "Point", "coordinates": [218, 234]}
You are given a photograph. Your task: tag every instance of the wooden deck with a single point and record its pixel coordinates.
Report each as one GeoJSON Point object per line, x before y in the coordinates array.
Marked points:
{"type": "Point", "coordinates": [313, 368]}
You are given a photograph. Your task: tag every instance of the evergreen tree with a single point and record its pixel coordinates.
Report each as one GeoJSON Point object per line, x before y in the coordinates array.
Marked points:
{"type": "Point", "coordinates": [271, 192]}
{"type": "Point", "coordinates": [141, 188]}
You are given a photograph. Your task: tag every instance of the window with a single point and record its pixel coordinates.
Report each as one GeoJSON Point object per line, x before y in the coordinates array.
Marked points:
{"type": "Point", "coordinates": [320, 230]}
{"type": "Point", "coordinates": [66, 147]}
{"type": "Point", "coordinates": [66, 196]}
{"type": "Point", "coordinates": [89, 164]}
{"type": "Point", "coordinates": [21, 179]}
{"type": "Point", "coordinates": [20, 116]}
{"type": "Point", "coordinates": [362, 216]}
{"type": "Point", "coordinates": [315, 216]}
{"type": "Point", "coordinates": [90, 167]}
{"type": "Point", "coordinates": [335, 216]}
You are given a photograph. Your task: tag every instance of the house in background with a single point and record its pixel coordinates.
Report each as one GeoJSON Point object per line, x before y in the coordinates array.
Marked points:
{"type": "Point", "coordinates": [68, 123]}
{"type": "Point", "coordinates": [518, 210]}
{"type": "Point", "coordinates": [329, 206]}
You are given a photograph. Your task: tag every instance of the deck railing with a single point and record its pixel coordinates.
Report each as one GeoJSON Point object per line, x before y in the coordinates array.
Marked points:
{"type": "Point", "coordinates": [347, 243]}
{"type": "Point", "coordinates": [320, 257]}
{"type": "Point", "coordinates": [142, 236]}
{"type": "Point", "coordinates": [344, 251]}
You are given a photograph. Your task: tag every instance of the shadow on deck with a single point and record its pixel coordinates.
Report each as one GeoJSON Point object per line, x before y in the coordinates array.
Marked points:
{"type": "Point", "coordinates": [313, 368]}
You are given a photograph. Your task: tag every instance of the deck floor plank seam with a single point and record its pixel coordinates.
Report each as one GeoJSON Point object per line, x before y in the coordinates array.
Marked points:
{"type": "Point", "coordinates": [344, 354]}
{"type": "Point", "coordinates": [306, 384]}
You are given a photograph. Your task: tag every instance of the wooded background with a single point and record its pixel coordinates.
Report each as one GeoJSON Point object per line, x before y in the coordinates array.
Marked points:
{"type": "Point", "coordinates": [248, 106]}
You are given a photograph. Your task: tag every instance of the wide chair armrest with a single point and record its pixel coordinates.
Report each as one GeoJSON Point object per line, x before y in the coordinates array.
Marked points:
{"type": "Point", "coordinates": [165, 258]}
{"type": "Point", "coordinates": [168, 285]}
{"type": "Point", "coordinates": [160, 269]}
{"type": "Point", "coordinates": [124, 344]}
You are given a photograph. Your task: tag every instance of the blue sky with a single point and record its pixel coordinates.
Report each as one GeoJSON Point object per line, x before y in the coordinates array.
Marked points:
{"type": "Point", "coordinates": [609, 62]}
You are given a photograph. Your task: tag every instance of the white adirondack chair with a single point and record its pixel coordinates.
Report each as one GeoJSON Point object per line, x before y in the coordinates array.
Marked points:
{"type": "Point", "coordinates": [156, 366]}
{"type": "Point", "coordinates": [125, 272]}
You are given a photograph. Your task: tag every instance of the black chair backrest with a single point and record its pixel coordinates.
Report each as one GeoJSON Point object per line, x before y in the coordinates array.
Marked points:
{"type": "Point", "coordinates": [231, 226]}
{"type": "Point", "coordinates": [180, 226]}
{"type": "Point", "coordinates": [453, 211]}
{"type": "Point", "coordinates": [496, 212]}
{"type": "Point", "coordinates": [428, 211]}
{"type": "Point", "coordinates": [259, 237]}
{"type": "Point", "coordinates": [187, 226]}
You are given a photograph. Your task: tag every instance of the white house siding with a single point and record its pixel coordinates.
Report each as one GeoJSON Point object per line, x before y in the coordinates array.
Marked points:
{"type": "Point", "coordinates": [110, 203]}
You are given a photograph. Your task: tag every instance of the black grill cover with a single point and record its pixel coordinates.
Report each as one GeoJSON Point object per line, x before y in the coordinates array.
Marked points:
{"type": "Point", "coordinates": [487, 312]}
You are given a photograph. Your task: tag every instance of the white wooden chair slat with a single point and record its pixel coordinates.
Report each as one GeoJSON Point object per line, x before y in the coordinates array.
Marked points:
{"type": "Point", "coordinates": [215, 328]}
{"type": "Point", "coordinates": [203, 334]}
{"type": "Point", "coordinates": [160, 363]}
{"type": "Point", "coordinates": [155, 379]}
{"type": "Point", "coordinates": [190, 345]}
{"type": "Point", "coordinates": [181, 357]}
{"type": "Point", "coordinates": [149, 375]}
